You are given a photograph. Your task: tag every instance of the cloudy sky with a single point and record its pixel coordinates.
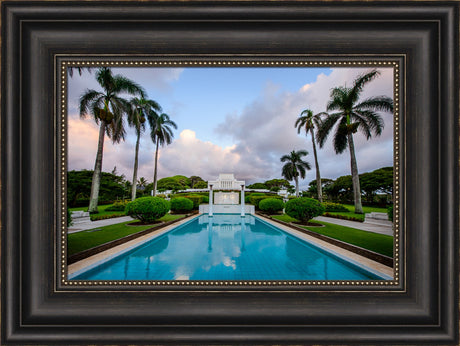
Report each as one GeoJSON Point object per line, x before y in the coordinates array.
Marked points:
{"type": "Point", "coordinates": [230, 120]}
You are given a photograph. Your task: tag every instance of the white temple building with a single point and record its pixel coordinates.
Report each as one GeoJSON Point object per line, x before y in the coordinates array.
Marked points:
{"type": "Point", "coordinates": [226, 181]}
{"type": "Point", "coordinates": [223, 201]}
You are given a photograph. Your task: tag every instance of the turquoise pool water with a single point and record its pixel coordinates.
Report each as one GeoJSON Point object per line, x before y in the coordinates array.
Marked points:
{"type": "Point", "coordinates": [227, 247]}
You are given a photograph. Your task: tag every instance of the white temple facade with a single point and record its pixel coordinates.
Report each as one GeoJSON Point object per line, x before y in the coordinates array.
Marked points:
{"type": "Point", "coordinates": [226, 181]}
{"type": "Point", "coordinates": [226, 202]}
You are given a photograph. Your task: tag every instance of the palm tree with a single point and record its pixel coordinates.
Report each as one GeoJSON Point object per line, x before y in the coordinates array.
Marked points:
{"type": "Point", "coordinates": [142, 183]}
{"type": "Point", "coordinates": [295, 167]}
{"type": "Point", "coordinates": [351, 116]}
{"type": "Point", "coordinates": [79, 69]}
{"type": "Point", "coordinates": [140, 110]}
{"type": "Point", "coordinates": [107, 109]}
{"type": "Point", "coordinates": [161, 134]}
{"type": "Point", "coordinates": [308, 121]}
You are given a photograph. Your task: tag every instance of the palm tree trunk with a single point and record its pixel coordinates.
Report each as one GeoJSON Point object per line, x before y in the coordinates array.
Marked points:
{"type": "Point", "coordinates": [355, 176]}
{"type": "Point", "coordinates": [136, 162]}
{"type": "Point", "coordinates": [96, 182]}
{"type": "Point", "coordinates": [296, 180]}
{"type": "Point", "coordinates": [318, 175]}
{"type": "Point", "coordinates": [155, 172]}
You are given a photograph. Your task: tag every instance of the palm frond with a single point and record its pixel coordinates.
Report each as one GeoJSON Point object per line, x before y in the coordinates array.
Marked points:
{"type": "Point", "coordinates": [376, 103]}
{"type": "Point", "coordinates": [360, 82]}
{"type": "Point", "coordinates": [326, 126]}
{"type": "Point", "coordinates": [372, 119]}
{"type": "Point", "coordinates": [123, 84]}
{"type": "Point", "coordinates": [340, 137]}
{"type": "Point", "coordinates": [86, 99]}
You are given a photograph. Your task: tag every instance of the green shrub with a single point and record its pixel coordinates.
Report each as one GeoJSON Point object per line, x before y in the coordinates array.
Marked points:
{"type": "Point", "coordinates": [118, 206]}
{"type": "Point", "coordinates": [343, 217]}
{"type": "Point", "coordinates": [196, 200]}
{"type": "Point", "coordinates": [255, 200]}
{"type": "Point", "coordinates": [337, 207]}
{"type": "Point", "coordinates": [181, 204]}
{"type": "Point", "coordinates": [205, 199]}
{"type": "Point", "coordinates": [304, 208]}
{"type": "Point", "coordinates": [69, 218]}
{"type": "Point", "coordinates": [271, 205]}
{"type": "Point", "coordinates": [147, 209]}
{"type": "Point", "coordinates": [390, 212]}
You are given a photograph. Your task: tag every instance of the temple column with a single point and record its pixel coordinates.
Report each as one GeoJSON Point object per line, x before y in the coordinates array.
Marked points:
{"type": "Point", "coordinates": [242, 200]}
{"type": "Point", "coordinates": [210, 200]}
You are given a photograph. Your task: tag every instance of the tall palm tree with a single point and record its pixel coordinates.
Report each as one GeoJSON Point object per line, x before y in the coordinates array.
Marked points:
{"type": "Point", "coordinates": [107, 109]}
{"type": "Point", "coordinates": [295, 167]}
{"type": "Point", "coordinates": [309, 122]}
{"type": "Point", "coordinates": [140, 110]}
{"type": "Point", "coordinates": [161, 134]}
{"type": "Point", "coordinates": [351, 116]}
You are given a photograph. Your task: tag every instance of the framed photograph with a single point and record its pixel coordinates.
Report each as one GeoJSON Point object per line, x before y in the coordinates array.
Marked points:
{"type": "Point", "coordinates": [230, 173]}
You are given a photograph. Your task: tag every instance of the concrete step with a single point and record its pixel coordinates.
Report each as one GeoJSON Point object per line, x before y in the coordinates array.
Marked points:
{"type": "Point", "coordinates": [78, 220]}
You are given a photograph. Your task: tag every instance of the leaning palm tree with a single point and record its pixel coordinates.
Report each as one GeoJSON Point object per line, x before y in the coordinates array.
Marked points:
{"type": "Point", "coordinates": [295, 167]}
{"type": "Point", "coordinates": [139, 112]}
{"type": "Point", "coordinates": [161, 134]}
{"type": "Point", "coordinates": [309, 122]}
{"type": "Point", "coordinates": [351, 116]}
{"type": "Point", "coordinates": [107, 109]}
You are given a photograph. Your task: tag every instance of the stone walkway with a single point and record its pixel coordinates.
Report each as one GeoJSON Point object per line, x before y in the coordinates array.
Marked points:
{"type": "Point", "coordinates": [382, 229]}
{"type": "Point", "coordinates": [83, 226]}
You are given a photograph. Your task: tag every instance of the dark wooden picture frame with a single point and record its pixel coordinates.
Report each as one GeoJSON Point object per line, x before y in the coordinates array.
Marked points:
{"type": "Point", "coordinates": [36, 309]}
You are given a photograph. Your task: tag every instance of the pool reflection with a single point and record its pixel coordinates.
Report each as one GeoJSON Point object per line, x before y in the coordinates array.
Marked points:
{"type": "Point", "coordinates": [225, 247]}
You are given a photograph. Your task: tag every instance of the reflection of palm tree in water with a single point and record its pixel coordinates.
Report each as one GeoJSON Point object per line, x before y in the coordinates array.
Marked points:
{"type": "Point", "coordinates": [210, 236]}
{"type": "Point", "coordinates": [244, 228]}
{"type": "Point", "coordinates": [126, 267]}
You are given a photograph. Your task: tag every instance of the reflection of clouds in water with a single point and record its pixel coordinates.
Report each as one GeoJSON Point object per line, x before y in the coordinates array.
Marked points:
{"type": "Point", "coordinates": [229, 262]}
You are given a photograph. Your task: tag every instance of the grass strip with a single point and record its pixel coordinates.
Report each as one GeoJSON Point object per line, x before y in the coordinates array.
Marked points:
{"type": "Point", "coordinates": [101, 211]}
{"type": "Point", "coordinates": [80, 241]}
{"type": "Point", "coordinates": [352, 213]}
{"type": "Point", "coordinates": [380, 243]}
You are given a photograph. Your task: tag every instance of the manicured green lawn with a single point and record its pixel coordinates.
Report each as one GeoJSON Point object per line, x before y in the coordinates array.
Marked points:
{"type": "Point", "coordinates": [101, 209]}
{"type": "Point", "coordinates": [84, 240]}
{"type": "Point", "coordinates": [366, 210]}
{"type": "Point", "coordinates": [379, 243]}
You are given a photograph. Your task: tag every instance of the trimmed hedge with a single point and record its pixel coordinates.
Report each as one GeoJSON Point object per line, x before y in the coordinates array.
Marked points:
{"type": "Point", "coordinates": [255, 199]}
{"type": "Point", "coordinates": [148, 209]}
{"type": "Point", "coordinates": [96, 217]}
{"type": "Point", "coordinates": [336, 207]}
{"type": "Point", "coordinates": [304, 208]}
{"type": "Point", "coordinates": [343, 217]}
{"type": "Point", "coordinates": [390, 212]}
{"type": "Point", "coordinates": [181, 204]}
{"type": "Point", "coordinates": [69, 218]}
{"type": "Point", "coordinates": [196, 200]}
{"type": "Point", "coordinates": [271, 205]}
{"type": "Point", "coordinates": [118, 206]}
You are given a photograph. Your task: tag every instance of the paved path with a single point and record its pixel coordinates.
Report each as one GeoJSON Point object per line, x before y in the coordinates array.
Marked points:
{"type": "Point", "coordinates": [382, 229]}
{"type": "Point", "coordinates": [83, 226]}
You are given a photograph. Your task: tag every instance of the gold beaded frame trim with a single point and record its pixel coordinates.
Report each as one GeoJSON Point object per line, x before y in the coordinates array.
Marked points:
{"type": "Point", "coordinates": [61, 67]}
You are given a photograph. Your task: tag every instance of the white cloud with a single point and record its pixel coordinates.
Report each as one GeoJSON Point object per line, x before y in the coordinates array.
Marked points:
{"type": "Point", "coordinates": [264, 130]}
{"type": "Point", "coordinates": [261, 133]}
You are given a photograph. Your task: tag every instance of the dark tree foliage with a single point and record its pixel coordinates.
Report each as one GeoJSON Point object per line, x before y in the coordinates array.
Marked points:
{"type": "Point", "coordinates": [260, 186]}
{"type": "Point", "coordinates": [280, 183]}
{"type": "Point", "coordinates": [79, 187]}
